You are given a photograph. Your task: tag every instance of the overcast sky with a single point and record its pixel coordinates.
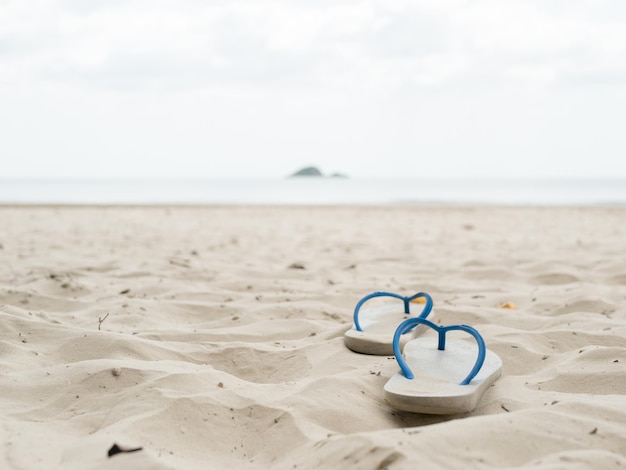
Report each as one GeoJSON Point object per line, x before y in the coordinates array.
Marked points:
{"type": "Point", "coordinates": [260, 88]}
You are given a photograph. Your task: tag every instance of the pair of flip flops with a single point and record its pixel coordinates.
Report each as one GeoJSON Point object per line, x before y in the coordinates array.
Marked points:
{"type": "Point", "coordinates": [438, 375]}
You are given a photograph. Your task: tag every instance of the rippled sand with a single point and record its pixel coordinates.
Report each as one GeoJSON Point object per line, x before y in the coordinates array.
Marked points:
{"type": "Point", "coordinates": [211, 337]}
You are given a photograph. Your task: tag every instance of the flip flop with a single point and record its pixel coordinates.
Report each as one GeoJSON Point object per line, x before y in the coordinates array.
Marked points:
{"type": "Point", "coordinates": [434, 377]}
{"type": "Point", "coordinates": [372, 331]}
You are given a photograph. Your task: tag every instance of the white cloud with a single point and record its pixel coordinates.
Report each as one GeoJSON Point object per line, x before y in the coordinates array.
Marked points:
{"type": "Point", "coordinates": [344, 84]}
{"type": "Point", "coordinates": [424, 43]}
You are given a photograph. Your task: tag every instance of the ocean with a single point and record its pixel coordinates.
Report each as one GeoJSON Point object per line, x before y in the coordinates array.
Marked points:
{"type": "Point", "coordinates": [316, 191]}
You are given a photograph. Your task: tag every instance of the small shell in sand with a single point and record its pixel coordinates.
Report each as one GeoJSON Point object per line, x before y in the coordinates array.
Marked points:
{"type": "Point", "coordinates": [507, 305]}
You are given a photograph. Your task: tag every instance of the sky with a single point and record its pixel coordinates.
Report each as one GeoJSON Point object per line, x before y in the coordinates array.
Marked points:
{"type": "Point", "coordinates": [261, 88]}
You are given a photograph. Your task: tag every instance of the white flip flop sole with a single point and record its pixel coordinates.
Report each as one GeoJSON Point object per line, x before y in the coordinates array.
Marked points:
{"type": "Point", "coordinates": [379, 324]}
{"type": "Point", "coordinates": [373, 330]}
{"type": "Point", "coordinates": [437, 373]}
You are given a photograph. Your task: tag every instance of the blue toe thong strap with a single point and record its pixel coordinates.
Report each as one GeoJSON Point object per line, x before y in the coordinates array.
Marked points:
{"type": "Point", "coordinates": [407, 301]}
{"type": "Point", "coordinates": [441, 330]}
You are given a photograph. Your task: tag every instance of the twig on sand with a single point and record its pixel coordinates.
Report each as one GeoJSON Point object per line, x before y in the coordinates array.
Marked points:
{"type": "Point", "coordinates": [100, 320]}
{"type": "Point", "coordinates": [115, 449]}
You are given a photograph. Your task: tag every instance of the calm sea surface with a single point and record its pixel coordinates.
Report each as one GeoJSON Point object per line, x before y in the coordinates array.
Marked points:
{"type": "Point", "coordinates": [314, 191]}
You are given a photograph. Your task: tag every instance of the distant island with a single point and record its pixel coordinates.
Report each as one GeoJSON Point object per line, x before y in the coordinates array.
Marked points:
{"type": "Point", "coordinates": [311, 171]}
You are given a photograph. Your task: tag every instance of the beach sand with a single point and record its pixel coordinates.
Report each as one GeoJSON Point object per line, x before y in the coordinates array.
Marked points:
{"type": "Point", "coordinates": [212, 337]}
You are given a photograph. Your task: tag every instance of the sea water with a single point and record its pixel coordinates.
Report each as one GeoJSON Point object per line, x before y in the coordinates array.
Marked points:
{"type": "Point", "coordinates": [325, 191]}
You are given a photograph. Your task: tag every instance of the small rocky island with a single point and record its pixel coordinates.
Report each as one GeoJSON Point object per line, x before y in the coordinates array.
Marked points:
{"type": "Point", "coordinates": [311, 171]}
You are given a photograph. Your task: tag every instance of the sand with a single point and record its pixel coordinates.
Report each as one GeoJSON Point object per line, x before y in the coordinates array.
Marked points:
{"type": "Point", "coordinates": [211, 337]}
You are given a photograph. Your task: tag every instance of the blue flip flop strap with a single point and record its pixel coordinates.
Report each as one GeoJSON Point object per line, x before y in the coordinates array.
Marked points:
{"type": "Point", "coordinates": [407, 300]}
{"type": "Point", "coordinates": [441, 330]}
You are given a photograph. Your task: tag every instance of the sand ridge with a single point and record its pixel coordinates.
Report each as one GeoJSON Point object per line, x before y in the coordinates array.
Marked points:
{"type": "Point", "coordinates": [212, 336]}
